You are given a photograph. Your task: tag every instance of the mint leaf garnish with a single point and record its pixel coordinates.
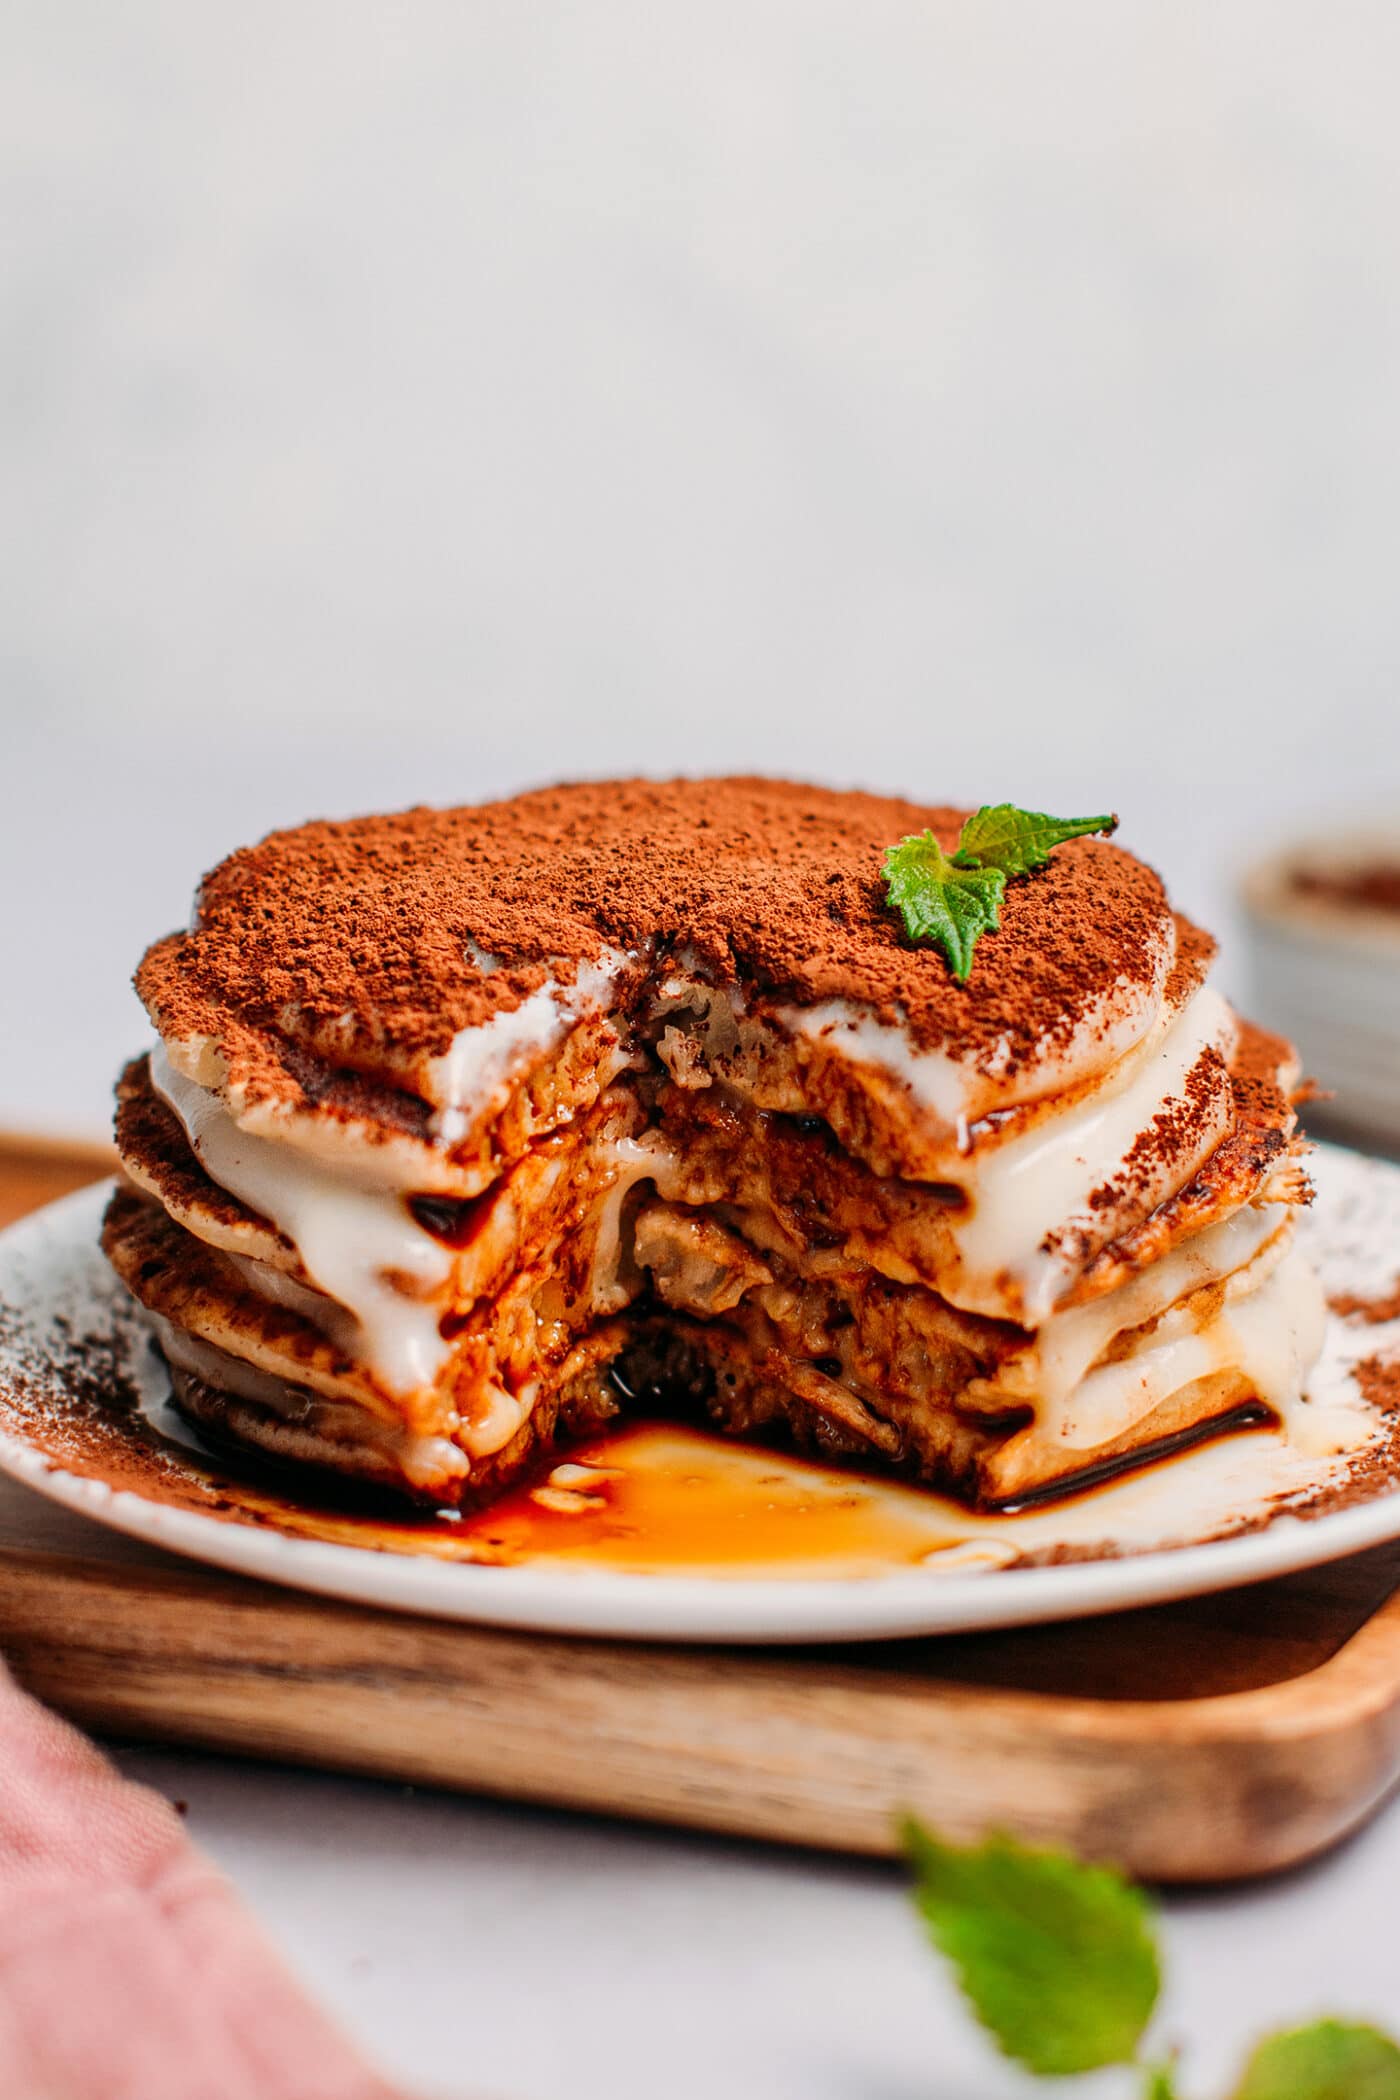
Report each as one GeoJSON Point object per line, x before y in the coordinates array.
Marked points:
{"type": "Point", "coordinates": [941, 901]}
{"type": "Point", "coordinates": [1331, 2061]}
{"type": "Point", "coordinates": [955, 898]}
{"type": "Point", "coordinates": [1057, 1959]}
{"type": "Point", "coordinates": [1017, 840]}
{"type": "Point", "coordinates": [1059, 1962]}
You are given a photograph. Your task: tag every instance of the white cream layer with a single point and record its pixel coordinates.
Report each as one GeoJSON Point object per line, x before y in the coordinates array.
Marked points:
{"type": "Point", "coordinates": [466, 1082]}
{"type": "Point", "coordinates": [477, 1067]}
{"type": "Point", "coordinates": [1015, 1243]}
{"type": "Point", "coordinates": [362, 1248]}
{"type": "Point", "coordinates": [425, 1460]}
{"type": "Point", "coordinates": [1065, 1349]}
{"type": "Point", "coordinates": [1028, 1198]}
{"type": "Point", "coordinates": [1025, 1196]}
{"type": "Point", "coordinates": [353, 1241]}
{"type": "Point", "coordinates": [1269, 1329]}
{"type": "Point", "coordinates": [1269, 1326]}
{"type": "Point", "coordinates": [955, 1089]}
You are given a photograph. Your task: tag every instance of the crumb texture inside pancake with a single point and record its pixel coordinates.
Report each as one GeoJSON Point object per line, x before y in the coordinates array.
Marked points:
{"type": "Point", "coordinates": [468, 1131]}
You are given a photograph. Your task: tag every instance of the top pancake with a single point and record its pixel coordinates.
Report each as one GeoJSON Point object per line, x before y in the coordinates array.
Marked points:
{"type": "Point", "coordinates": [381, 938]}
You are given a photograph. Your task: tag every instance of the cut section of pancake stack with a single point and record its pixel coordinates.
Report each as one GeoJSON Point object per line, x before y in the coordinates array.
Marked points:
{"type": "Point", "coordinates": [470, 1131]}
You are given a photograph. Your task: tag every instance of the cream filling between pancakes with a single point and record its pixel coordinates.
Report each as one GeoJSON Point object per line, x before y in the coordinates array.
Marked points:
{"type": "Point", "coordinates": [1083, 1400]}
{"type": "Point", "coordinates": [424, 1460]}
{"type": "Point", "coordinates": [1268, 1328]}
{"type": "Point", "coordinates": [1029, 1196]}
{"type": "Point", "coordinates": [1031, 1199]}
{"type": "Point", "coordinates": [359, 1245]}
{"type": "Point", "coordinates": [479, 1063]}
{"type": "Point", "coordinates": [956, 1090]}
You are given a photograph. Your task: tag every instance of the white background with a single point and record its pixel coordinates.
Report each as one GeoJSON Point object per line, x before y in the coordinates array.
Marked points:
{"type": "Point", "coordinates": [982, 401]}
{"type": "Point", "coordinates": [409, 403]}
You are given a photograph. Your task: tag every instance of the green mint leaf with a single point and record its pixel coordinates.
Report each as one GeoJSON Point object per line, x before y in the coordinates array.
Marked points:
{"type": "Point", "coordinates": [1017, 840]}
{"type": "Point", "coordinates": [955, 898]}
{"type": "Point", "coordinates": [1057, 1959]}
{"type": "Point", "coordinates": [1160, 2082]}
{"type": "Point", "coordinates": [1331, 2061]}
{"type": "Point", "coordinates": [940, 901]}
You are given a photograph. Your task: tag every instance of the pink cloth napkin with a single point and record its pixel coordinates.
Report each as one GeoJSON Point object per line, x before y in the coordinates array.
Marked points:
{"type": "Point", "coordinates": [129, 1970]}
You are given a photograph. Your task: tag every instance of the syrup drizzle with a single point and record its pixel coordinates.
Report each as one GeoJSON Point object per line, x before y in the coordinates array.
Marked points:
{"type": "Point", "coordinates": [655, 1497]}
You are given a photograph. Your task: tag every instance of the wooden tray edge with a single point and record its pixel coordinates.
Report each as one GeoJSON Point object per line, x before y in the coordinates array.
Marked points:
{"type": "Point", "coordinates": [787, 1750]}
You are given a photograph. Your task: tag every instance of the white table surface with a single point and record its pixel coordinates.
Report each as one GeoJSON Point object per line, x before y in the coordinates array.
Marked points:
{"type": "Point", "coordinates": [975, 401]}
{"type": "Point", "coordinates": [479, 1949]}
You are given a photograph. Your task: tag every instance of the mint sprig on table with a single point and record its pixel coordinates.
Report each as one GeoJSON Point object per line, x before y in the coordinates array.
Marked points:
{"type": "Point", "coordinates": [1059, 1960]}
{"type": "Point", "coordinates": [1328, 2061]}
{"type": "Point", "coordinates": [954, 898]}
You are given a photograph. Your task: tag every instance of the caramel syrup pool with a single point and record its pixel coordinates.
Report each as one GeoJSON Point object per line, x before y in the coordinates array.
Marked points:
{"type": "Point", "coordinates": [660, 1498]}
{"type": "Point", "coordinates": [651, 1498]}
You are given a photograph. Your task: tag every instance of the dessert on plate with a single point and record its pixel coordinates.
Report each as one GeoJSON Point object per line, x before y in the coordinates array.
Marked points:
{"type": "Point", "coordinates": [468, 1131]}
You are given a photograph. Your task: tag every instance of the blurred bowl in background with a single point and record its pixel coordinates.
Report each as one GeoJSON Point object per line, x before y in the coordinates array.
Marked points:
{"type": "Point", "coordinates": [1323, 926]}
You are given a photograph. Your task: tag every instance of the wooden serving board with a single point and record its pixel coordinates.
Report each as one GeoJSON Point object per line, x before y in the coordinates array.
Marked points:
{"type": "Point", "coordinates": [1219, 1737]}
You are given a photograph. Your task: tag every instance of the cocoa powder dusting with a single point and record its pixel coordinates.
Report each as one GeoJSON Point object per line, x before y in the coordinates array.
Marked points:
{"type": "Point", "coordinates": [369, 933]}
{"type": "Point", "coordinates": [1379, 1380]}
{"type": "Point", "coordinates": [1375, 1312]}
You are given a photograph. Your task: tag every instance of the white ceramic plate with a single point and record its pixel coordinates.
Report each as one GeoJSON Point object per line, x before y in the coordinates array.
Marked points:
{"type": "Point", "coordinates": [85, 1420]}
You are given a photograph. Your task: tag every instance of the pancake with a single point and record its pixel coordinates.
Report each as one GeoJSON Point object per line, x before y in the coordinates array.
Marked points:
{"type": "Point", "coordinates": [467, 1130]}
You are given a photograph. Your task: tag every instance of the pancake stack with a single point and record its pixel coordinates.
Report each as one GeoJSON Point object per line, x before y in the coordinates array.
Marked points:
{"type": "Point", "coordinates": [467, 1131]}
